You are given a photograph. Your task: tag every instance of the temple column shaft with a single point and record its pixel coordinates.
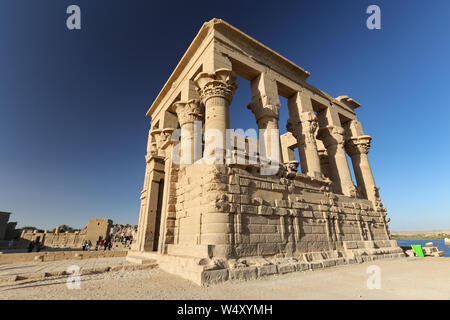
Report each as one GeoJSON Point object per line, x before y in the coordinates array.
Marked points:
{"type": "Point", "coordinates": [332, 135]}
{"type": "Point", "coordinates": [188, 112]}
{"type": "Point", "coordinates": [216, 91]}
{"type": "Point", "coordinates": [364, 176]}
{"type": "Point", "coordinates": [308, 145]}
{"type": "Point", "coordinates": [167, 222]}
{"type": "Point", "coordinates": [303, 124]}
{"type": "Point", "coordinates": [339, 167]}
{"type": "Point", "coordinates": [265, 105]}
{"type": "Point", "coordinates": [357, 147]}
{"type": "Point", "coordinates": [154, 172]}
{"type": "Point", "coordinates": [323, 157]}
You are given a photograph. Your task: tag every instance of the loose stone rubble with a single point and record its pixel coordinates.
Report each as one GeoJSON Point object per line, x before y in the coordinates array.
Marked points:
{"type": "Point", "coordinates": [429, 250]}
{"type": "Point", "coordinates": [216, 222]}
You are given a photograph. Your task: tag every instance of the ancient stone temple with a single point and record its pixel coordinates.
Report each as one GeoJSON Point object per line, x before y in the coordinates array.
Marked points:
{"type": "Point", "coordinates": [211, 221]}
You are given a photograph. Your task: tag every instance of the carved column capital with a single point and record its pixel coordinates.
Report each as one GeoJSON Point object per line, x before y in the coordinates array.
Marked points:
{"type": "Point", "coordinates": [309, 123]}
{"type": "Point", "coordinates": [294, 127]}
{"type": "Point", "coordinates": [221, 83]}
{"type": "Point", "coordinates": [264, 113]}
{"type": "Point", "coordinates": [331, 135]}
{"type": "Point", "coordinates": [151, 145]}
{"type": "Point", "coordinates": [188, 111]}
{"type": "Point", "coordinates": [166, 136]}
{"type": "Point", "coordinates": [358, 145]}
{"type": "Point", "coordinates": [162, 138]}
{"type": "Point", "coordinates": [305, 128]}
{"type": "Point", "coordinates": [153, 149]}
{"type": "Point", "coordinates": [292, 166]}
{"type": "Point", "coordinates": [155, 133]}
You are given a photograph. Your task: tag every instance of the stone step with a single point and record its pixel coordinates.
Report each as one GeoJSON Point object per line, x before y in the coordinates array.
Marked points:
{"type": "Point", "coordinates": [140, 260]}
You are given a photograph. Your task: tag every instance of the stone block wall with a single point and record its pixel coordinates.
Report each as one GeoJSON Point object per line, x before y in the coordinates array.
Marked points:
{"type": "Point", "coordinates": [54, 240]}
{"type": "Point", "coordinates": [243, 213]}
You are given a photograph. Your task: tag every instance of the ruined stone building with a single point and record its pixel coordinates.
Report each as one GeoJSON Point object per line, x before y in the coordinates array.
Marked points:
{"type": "Point", "coordinates": [213, 222]}
{"type": "Point", "coordinates": [127, 230]}
{"type": "Point", "coordinates": [95, 230]}
{"type": "Point", "coordinates": [7, 229]}
{"type": "Point", "coordinates": [4, 218]}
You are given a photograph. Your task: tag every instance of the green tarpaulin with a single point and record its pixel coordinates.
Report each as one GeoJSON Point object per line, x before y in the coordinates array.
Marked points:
{"type": "Point", "coordinates": [417, 248]}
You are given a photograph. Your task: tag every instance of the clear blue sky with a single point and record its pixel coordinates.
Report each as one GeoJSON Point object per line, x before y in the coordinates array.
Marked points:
{"type": "Point", "coordinates": [72, 103]}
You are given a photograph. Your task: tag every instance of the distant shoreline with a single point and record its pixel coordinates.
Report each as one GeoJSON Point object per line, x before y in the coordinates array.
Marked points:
{"type": "Point", "coordinates": [420, 236]}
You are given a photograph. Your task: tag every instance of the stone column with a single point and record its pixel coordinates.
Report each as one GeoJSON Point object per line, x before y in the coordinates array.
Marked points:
{"type": "Point", "coordinates": [154, 172]}
{"type": "Point", "coordinates": [267, 120]}
{"type": "Point", "coordinates": [157, 137]}
{"type": "Point", "coordinates": [149, 201]}
{"type": "Point", "coordinates": [188, 112]}
{"type": "Point", "coordinates": [358, 148]}
{"type": "Point", "coordinates": [333, 140]}
{"type": "Point", "coordinates": [216, 91]}
{"type": "Point", "coordinates": [304, 131]}
{"type": "Point", "coordinates": [265, 105]}
{"type": "Point", "coordinates": [166, 229]}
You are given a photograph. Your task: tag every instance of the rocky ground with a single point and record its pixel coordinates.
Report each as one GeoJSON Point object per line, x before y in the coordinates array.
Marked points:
{"type": "Point", "coordinates": [411, 278]}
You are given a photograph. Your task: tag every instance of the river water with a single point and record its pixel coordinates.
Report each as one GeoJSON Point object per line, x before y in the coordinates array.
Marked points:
{"type": "Point", "coordinates": [438, 243]}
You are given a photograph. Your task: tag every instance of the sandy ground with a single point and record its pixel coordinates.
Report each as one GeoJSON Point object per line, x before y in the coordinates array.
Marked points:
{"type": "Point", "coordinates": [411, 278]}
{"type": "Point", "coordinates": [30, 268]}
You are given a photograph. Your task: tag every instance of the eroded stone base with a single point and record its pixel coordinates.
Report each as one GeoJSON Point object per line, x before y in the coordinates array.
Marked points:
{"type": "Point", "coordinates": [206, 271]}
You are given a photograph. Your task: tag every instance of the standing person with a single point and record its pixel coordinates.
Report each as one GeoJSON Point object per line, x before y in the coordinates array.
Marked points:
{"type": "Point", "coordinates": [89, 245]}
{"type": "Point", "coordinates": [96, 245]}
{"type": "Point", "coordinates": [84, 245]}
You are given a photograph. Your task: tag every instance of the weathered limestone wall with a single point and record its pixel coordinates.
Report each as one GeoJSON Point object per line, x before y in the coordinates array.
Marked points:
{"type": "Point", "coordinates": [245, 214]}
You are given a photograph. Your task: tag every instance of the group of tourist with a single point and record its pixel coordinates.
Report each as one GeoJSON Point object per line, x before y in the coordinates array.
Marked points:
{"type": "Point", "coordinates": [87, 244]}
{"type": "Point", "coordinates": [34, 244]}
{"type": "Point", "coordinates": [105, 244]}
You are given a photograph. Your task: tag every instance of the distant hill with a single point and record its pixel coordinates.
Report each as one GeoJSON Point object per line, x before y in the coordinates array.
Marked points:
{"type": "Point", "coordinates": [430, 234]}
